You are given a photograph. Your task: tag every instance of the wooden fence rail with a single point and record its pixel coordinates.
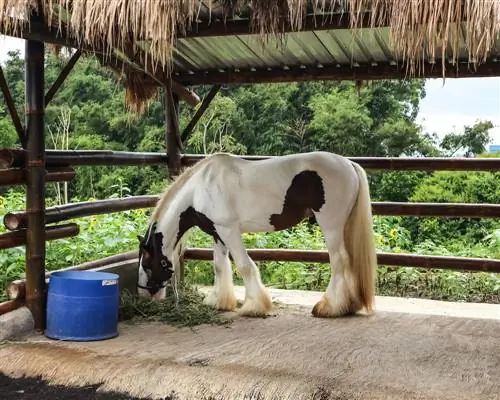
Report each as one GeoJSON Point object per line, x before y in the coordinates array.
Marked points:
{"type": "Point", "coordinates": [13, 221]}
{"type": "Point", "coordinates": [10, 158]}
{"type": "Point", "coordinates": [19, 220]}
{"type": "Point", "coordinates": [17, 176]}
{"type": "Point", "coordinates": [449, 210]}
{"type": "Point", "coordinates": [18, 237]}
{"type": "Point", "coordinates": [396, 259]}
{"type": "Point", "coordinates": [16, 290]}
{"type": "Point", "coordinates": [396, 163]}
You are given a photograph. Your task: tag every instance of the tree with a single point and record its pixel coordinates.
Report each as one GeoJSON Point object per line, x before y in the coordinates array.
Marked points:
{"type": "Point", "coordinates": [471, 142]}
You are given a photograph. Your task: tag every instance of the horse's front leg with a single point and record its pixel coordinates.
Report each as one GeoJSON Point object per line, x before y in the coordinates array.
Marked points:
{"type": "Point", "coordinates": [257, 300]}
{"type": "Point", "coordinates": [222, 296]}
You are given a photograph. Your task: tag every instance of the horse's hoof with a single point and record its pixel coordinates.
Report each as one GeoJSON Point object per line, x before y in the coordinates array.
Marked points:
{"type": "Point", "coordinates": [254, 308]}
{"type": "Point", "coordinates": [221, 303]}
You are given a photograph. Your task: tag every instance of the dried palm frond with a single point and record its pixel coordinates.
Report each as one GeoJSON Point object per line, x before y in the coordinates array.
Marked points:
{"type": "Point", "coordinates": [427, 29]}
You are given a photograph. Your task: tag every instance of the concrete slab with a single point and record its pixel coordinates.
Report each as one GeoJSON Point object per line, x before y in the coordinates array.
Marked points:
{"type": "Point", "coordinates": [421, 354]}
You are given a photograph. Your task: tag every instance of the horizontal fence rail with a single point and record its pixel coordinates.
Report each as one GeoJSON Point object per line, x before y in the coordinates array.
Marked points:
{"type": "Point", "coordinates": [395, 259]}
{"type": "Point", "coordinates": [16, 290]}
{"type": "Point", "coordinates": [13, 221]}
{"type": "Point", "coordinates": [395, 163]}
{"type": "Point", "coordinates": [450, 210]}
{"type": "Point", "coordinates": [18, 238]}
{"type": "Point", "coordinates": [19, 220]}
{"type": "Point", "coordinates": [17, 176]}
{"type": "Point", "coordinates": [10, 305]}
{"type": "Point", "coordinates": [10, 158]}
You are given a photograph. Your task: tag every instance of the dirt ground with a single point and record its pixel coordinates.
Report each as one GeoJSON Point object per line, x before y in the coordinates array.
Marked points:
{"type": "Point", "coordinates": [389, 355]}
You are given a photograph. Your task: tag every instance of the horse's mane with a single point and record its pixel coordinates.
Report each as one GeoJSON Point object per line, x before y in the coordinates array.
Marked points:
{"type": "Point", "coordinates": [176, 185]}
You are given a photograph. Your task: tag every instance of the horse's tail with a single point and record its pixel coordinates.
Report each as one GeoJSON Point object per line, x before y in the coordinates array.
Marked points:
{"type": "Point", "coordinates": [360, 244]}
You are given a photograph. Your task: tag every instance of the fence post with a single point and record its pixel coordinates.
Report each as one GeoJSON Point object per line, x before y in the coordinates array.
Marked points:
{"type": "Point", "coordinates": [174, 144]}
{"type": "Point", "coordinates": [35, 181]}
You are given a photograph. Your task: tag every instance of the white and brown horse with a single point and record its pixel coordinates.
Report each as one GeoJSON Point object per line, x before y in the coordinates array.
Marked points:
{"type": "Point", "coordinates": [226, 196]}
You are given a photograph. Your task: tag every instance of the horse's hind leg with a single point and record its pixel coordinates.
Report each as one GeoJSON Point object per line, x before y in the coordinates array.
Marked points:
{"type": "Point", "coordinates": [222, 296]}
{"type": "Point", "coordinates": [337, 299]}
{"type": "Point", "coordinates": [257, 300]}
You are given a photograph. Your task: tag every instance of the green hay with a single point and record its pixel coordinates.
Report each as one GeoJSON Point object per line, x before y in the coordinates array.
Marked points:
{"type": "Point", "coordinates": [187, 310]}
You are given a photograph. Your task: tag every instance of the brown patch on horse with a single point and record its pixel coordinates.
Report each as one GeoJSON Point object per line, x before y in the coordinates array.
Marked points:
{"type": "Point", "coordinates": [190, 217]}
{"type": "Point", "coordinates": [305, 194]}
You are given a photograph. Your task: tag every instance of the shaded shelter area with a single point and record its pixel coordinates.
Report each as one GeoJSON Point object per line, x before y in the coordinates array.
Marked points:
{"type": "Point", "coordinates": [176, 46]}
{"type": "Point", "coordinates": [405, 351]}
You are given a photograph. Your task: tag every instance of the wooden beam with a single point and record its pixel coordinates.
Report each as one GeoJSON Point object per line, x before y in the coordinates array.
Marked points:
{"type": "Point", "coordinates": [41, 32]}
{"type": "Point", "coordinates": [11, 158]}
{"type": "Point", "coordinates": [62, 77]}
{"type": "Point", "coordinates": [300, 73]}
{"type": "Point", "coordinates": [199, 113]}
{"type": "Point", "coordinates": [449, 210]}
{"type": "Point", "coordinates": [159, 78]}
{"type": "Point", "coordinates": [14, 221]}
{"type": "Point", "coordinates": [172, 135]}
{"type": "Point", "coordinates": [219, 27]}
{"type": "Point", "coordinates": [35, 181]}
{"type": "Point", "coordinates": [396, 259]}
{"type": "Point", "coordinates": [19, 237]}
{"type": "Point", "coordinates": [17, 176]}
{"type": "Point", "coordinates": [11, 107]}
{"type": "Point", "coordinates": [16, 290]}
{"type": "Point", "coordinates": [394, 163]}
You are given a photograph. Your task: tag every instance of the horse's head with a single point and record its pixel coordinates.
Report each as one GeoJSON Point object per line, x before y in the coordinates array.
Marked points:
{"type": "Point", "coordinates": [155, 268]}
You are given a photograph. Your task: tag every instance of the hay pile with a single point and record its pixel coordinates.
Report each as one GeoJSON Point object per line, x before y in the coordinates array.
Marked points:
{"type": "Point", "coordinates": [184, 309]}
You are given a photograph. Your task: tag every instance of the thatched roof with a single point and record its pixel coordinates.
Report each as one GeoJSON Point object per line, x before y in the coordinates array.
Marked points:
{"type": "Point", "coordinates": [145, 31]}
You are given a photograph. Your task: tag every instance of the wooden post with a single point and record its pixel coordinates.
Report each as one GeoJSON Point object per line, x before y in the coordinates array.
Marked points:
{"type": "Point", "coordinates": [172, 134]}
{"type": "Point", "coordinates": [35, 181]}
{"type": "Point", "coordinates": [174, 143]}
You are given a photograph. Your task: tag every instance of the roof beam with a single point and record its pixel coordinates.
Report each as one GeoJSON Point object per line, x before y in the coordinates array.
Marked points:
{"type": "Point", "coordinates": [41, 32]}
{"type": "Point", "coordinates": [333, 72]}
{"type": "Point", "coordinates": [316, 22]}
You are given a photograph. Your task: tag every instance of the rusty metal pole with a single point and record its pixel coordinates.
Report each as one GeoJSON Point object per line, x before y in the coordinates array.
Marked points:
{"type": "Point", "coordinates": [35, 181]}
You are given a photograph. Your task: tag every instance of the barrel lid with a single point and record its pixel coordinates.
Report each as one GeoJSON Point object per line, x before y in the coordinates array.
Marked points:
{"type": "Point", "coordinates": [85, 275]}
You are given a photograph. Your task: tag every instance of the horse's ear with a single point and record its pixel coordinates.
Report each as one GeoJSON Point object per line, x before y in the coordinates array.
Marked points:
{"type": "Point", "coordinates": [141, 239]}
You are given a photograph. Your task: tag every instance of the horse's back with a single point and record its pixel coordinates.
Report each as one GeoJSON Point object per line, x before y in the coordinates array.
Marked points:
{"type": "Point", "coordinates": [277, 193]}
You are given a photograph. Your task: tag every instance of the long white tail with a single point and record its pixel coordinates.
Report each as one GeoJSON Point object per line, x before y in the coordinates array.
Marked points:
{"type": "Point", "coordinates": [360, 244]}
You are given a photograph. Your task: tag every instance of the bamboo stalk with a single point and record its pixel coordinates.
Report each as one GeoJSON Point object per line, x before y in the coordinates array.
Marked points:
{"type": "Point", "coordinates": [60, 158]}
{"type": "Point", "coordinates": [10, 158]}
{"type": "Point", "coordinates": [199, 113]}
{"type": "Point", "coordinates": [172, 135]}
{"type": "Point", "coordinates": [19, 237]}
{"type": "Point", "coordinates": [450, 210]}
{"type": "Point", "coordinates": [62, 77]}
{"type": "Point", "coordinates": [10, 305]}
{"type": "Point", "coordinates": [35, 181]}
{"type": "Point", "coordinates": [9, 102]}
{"type": "Point", "coordinates": [395, 163]}
{"type": "Point", "coordinates": [321, 256]}
{"type": "Point", "coordinates": [13, 221]}
{"type": "Point", "coordinates": [17, 176]}
{"type": "Point", "coordinates": [16, 290]}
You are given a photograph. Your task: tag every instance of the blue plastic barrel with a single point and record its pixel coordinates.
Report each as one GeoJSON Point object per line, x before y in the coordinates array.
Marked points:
{"type": "Point", "coordinates": [82, 305]}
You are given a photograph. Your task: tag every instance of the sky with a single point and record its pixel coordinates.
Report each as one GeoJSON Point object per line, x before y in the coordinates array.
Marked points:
{"type": "Point", "coordinates": [447, 106]}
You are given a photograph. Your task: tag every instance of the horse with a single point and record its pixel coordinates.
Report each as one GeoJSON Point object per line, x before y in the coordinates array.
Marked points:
{"type": "Point", "coordinates": [226, 196]}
